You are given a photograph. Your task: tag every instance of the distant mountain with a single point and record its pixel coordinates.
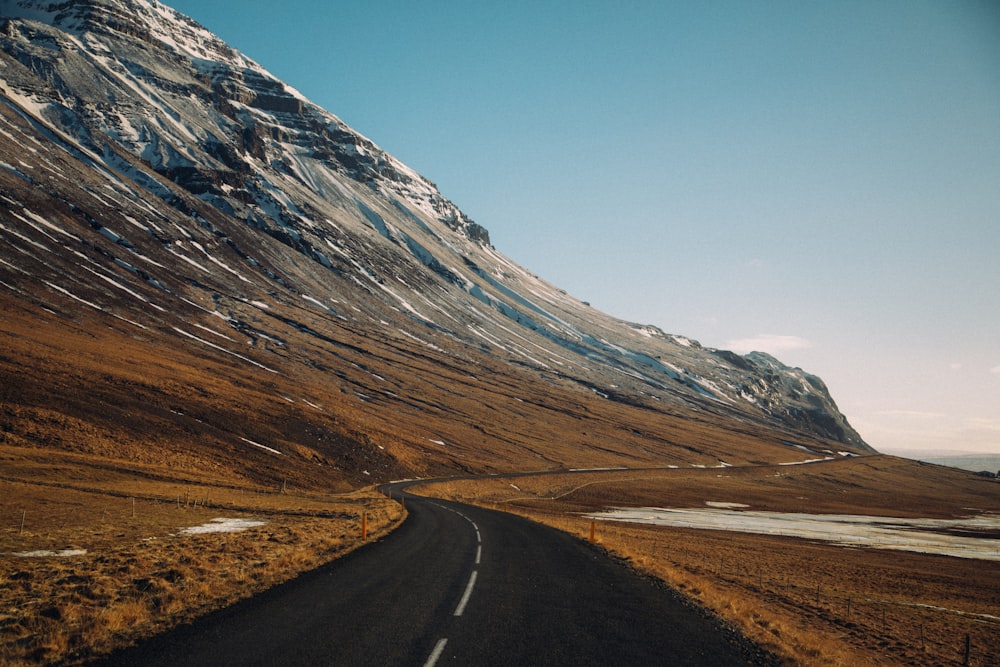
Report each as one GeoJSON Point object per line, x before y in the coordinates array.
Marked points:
{"type": "Point", "coordinates": [163, 194]}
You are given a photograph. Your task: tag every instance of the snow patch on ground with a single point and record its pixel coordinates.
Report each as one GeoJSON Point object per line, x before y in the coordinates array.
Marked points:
{"type": "Point", "coordinates": [265, 447]}
{"type": "Point", "coordinates": [64, 553]}
{"type": "Point", "coordinates": [223, 525]}
{"type": "Point", "coordinates": [222, 349]}
{"type": "Point", "coordinates": [807, 461]}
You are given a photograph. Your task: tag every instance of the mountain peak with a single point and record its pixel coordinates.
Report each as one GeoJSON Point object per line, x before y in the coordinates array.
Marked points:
{"type": "Point", "coordinates": [146, 20]}
{"type": "Point", "coordinates": [157, 46]}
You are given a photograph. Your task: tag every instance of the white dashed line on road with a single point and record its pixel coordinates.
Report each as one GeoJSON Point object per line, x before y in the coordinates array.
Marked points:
{"type": "Point", "coordinates": [436, 653]}
{"type": "Point", "coordinates": [468, 593]}
{"type": "Point", "coordinates": [460, 609]}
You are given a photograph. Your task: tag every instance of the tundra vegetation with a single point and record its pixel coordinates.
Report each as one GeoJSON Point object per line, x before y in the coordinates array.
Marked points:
{"type": "Point", "coordinates": [96, 553]}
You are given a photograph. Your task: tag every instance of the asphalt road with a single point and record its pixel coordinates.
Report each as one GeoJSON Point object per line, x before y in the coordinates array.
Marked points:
{"type": "Point", "coordinates": [457, 585]}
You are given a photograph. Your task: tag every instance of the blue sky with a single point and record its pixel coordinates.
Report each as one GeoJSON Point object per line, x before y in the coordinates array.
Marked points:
{"type": "Point", "coordinates": [819, 180]}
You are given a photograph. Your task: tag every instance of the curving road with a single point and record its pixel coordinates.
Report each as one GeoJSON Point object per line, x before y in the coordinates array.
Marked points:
{"type": "Point", "coordinates": [457, 585]}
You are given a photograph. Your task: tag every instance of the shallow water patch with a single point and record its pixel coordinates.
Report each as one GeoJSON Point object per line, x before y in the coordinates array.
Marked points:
{"type": "Point", "coordinates": [969, 537]}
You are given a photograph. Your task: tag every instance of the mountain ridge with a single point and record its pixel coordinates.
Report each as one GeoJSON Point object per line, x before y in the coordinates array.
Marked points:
{"type": "Point", "coordinates": [206, 200]}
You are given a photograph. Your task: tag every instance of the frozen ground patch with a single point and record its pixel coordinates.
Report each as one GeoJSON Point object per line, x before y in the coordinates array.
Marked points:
{"type": "Point", "coordinates": [264, 447]}
{"type": "Point", "coordinates": [969, 537]}
{"type": "Point", "coordinates": [64, 553]}
{"type": "Point", "coordinates": [807, 461]}
{"type": "Point", "coordinates": [223, 525]}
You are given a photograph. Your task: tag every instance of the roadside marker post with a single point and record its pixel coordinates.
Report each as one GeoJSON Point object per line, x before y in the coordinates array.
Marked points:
{"type": "Point", "coordinates": [364, 526]}
{"type": "Point", "coordinates": [593, 524]}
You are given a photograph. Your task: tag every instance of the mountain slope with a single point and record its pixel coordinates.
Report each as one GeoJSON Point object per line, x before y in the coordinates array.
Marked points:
{"type": "Point", "coordinates": [192, 221]}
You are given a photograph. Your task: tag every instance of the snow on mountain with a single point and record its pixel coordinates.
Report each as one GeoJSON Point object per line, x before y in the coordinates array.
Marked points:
{"type": "Point", "coordinates": [154, 174]}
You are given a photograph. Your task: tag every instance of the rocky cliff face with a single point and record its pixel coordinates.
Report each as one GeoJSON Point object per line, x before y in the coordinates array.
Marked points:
{"type": "Point", "coordinates": [152, 174]}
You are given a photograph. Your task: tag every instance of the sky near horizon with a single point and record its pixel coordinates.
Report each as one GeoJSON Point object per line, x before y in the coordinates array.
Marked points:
{"type": "Point", "coordinates": [820, 181]}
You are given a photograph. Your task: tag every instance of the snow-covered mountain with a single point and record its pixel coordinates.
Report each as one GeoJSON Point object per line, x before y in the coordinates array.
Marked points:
{"type": "Point", "coordinates": [156, 179]}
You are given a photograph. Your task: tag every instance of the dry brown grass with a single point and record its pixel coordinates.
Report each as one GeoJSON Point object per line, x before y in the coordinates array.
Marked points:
{"type": "Point", "coordinates": [140, 574]}
{"type": "Point", "coordinates": [369, 403]}
{"type": "Point", "coordinates": [810, 603]}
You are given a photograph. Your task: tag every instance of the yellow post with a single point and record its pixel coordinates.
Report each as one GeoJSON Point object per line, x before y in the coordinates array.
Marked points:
{"type": "Point", "coordinates": [592, 524]}
{"type": "Point", "coordinates": [364, 526]}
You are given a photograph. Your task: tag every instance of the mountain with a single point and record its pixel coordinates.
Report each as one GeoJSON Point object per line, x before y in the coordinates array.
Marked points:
{"type": "Point", "coordinates": [196, 261]}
